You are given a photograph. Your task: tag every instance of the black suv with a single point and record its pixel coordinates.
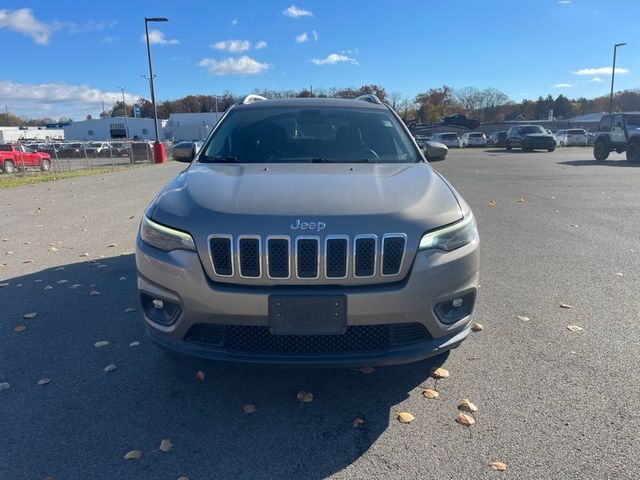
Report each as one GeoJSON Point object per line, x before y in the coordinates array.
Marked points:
{"type": "Point", "coordinates": [530, 137]}
{"type": "Point", "coordinates": [619, 132]}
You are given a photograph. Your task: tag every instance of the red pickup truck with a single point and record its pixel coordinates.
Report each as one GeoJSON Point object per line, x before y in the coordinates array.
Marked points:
{"type": "Point", "coordinates": [14, 155]}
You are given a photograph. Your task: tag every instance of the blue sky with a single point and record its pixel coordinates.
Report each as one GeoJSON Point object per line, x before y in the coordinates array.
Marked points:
{"type": "Point", "coordinates": [63, 58]}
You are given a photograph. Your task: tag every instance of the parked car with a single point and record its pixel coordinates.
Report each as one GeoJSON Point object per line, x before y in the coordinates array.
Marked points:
{"type": "Point", "coordinates": [450, 139]}
{"type": "Point", "coordinates": [97, 149]}
{"type": "Point", "coordinates": [332, 243]}
{"type": "Point", "coordinates": [70, 150]}
{"type": "Point", "coordinates": [473, 139]}
{"type": "Point", "coordinates": [619, 132]}
{"type": "Point", "coordinates": [497, 139]}
{"type": "Point", "coordinates": [571, 137]}
{"type": "Point", "coordinates": [460, 120]}
{"type": "Point", "coordinates": [530, 137]}
{"type": "Point", "coordinates": [120, 149]}
{"type": "Point", "coordinates": [15, 156]}
{"type": "Point", "coordinates": [432, 150]}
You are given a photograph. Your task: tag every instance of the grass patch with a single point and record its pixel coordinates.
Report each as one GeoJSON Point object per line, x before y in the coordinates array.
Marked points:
{"type": "Point", "coordinates": [17, 180]}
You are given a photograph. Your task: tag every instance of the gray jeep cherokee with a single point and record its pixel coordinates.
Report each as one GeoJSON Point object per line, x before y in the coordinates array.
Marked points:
{"type": "Point", "coordinates": [308, 231]}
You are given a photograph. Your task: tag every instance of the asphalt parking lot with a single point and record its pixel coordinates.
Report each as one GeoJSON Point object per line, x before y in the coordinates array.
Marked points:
{"type": "Point", "coordinates": [556, 228]}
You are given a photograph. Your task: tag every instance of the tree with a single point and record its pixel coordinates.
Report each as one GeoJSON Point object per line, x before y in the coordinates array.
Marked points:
{"type": "Point", "coordinates": [89, 117]}
{"type": "Point", "coordinates": [435, 103]}
{"type": "Point", "coordinates": [8, 119]}
{"type": "Point", "coordinates": [394, 98]}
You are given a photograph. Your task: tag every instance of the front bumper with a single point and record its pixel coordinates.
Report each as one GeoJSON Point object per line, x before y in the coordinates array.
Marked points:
{"type": "Point", "coordinates": [435, 277]}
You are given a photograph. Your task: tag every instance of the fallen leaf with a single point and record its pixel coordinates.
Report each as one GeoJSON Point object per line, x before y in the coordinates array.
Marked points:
{"type": "Point", "coordinates": [132, 217]}
{"type": "Point", "coordinates": [130, 309]}
{"type": "Point", "coordinates": [498, 466]}
{"type": "Point", "coordinates": [44, 381]}
{"type": "Point", "coordinates": [575, 225]}
{"type": "Point", "coordinates": [134, 344]}
{"type": "Point", "coordinates": [430, 393]}
{"type": "Point", "coordinates": [439, 373]}
{"type": "Point", "coordinates": [523, 318]}
{"type": "Point", "coordinates": [52, 249]}
{"type": "Point", "coordinates": [357, 422]}
{"type": "Point", "coordinates": [183, 477]}
{"type": "Point", "coordinates": [85, 254]}
{"type": "Point", "coordinates": [4, 386]}
{"type": "Point", "coordinates": [94, 293]}
{"type": "Point", "coordinates": [62, 281]}
{"type": "Point", "coordinates": [27, 261]}
{"type": "Point", "coordinates": [133, 455]}
{"type": "Point", "coordinates": [249, 408]}
{"type": "Point", "coordinates": [564, 305]}
{"type": "Point", "coordinates": [111, 245]}
{"type": "Point", "coordinates": [101, 343]}
{"type": "Point", "coordinates": [165, 445]}
{"type": "Point", "coordinates": [620, 274]}
{"type": "Point", "coordinates": [465, 420]}
{"type": "Point", "coordinates": [20, 328]}
{"type": "Point", "coordinates": [521, 199]}
{"type": "Point", "coordinates": [110, 368]}
{"type": "Point", "coordinates": [466, 406]}
{"type": "Point", "coordinates": [477, 327]}
{"type": "Point", "coordinates": [200, 375]}
{"type": "Point", "coordinates": [102, 265]}
{"type": "Point", "coordinates": [367, 370]}
{"type": "Point", "coordinates": [122, 278]}
{"type": "Point", "coordinates": [8, 253]}
{"type": "Point", "coordinates": [405, 417]}
{"type": "Point", "coordinates": [48, 287]}
{"type": "Point", "coordinates": [574, 328]}
{"type": "Point", "coordinates": [305, 397]}
{"type": "Point", "coordinates": [75, 285]}
{"type": "Point", "coordinates": [4, 285]}
{"type": "Point", "coordinates": [492, 203]}
{"type": "Point", "coordinates": [30, 315]}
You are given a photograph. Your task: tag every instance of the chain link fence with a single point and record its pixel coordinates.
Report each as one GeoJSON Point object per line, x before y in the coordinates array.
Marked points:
{"type": "Point", "coordinates": [71, 156]}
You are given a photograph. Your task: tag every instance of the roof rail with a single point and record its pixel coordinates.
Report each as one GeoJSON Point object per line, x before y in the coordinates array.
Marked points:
{"type": "Point", "coordinates": [369, 97]}
{"type": "Point", "coordinates": [252, 98]}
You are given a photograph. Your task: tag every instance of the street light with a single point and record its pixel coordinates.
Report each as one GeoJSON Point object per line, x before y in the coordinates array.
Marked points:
{"type": "Point", "coordinates": [158, 148]}
{"type": "Point", "coordinates": [613, 74]}
{"type": "Point", "coordinates": [126, 121]}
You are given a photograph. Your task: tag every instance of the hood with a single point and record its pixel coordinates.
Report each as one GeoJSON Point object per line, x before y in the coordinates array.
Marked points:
{"type": "Point", "coordinates": [266, 199]}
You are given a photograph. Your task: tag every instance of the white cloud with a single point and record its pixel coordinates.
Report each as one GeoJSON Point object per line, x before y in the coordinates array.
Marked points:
{"type": "Point", "coordinates": [563, 85]}
{"type": "Point", "coordinates": [333, 59]}
{"type": "Point", "coordinates": [303, 37]}
{"type": "Point", "coordinates": [564, 2]}
{"type": "Point", "coordinates": [261, 44]}
{"type": "Point", "coordinates": [315, 35]}
{"type": "Point", "coordinates": [234, 22]}
{"type": "Point", "coordinates": [296, 12]}
{"type": "Point", "coordinates": [596, 79]}
{"type": "Point", "coordinates": [232, 45]}
{"type": "Point", "coordinates": [234, 66]}
{"type": "Point", "coordinates": [23, 21]}
{"type": "Point", "coordinates": [88, 26]}
{"type": "Point", "coordinates": [599, 71]}
{"type": "Point", "coordinates": [57, 99]}
{"type": "Point", "coordinates": [156, 37]}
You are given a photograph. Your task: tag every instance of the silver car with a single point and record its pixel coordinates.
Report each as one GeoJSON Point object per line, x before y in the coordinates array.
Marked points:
{"type": "Point", "coordinates": [308, 231]}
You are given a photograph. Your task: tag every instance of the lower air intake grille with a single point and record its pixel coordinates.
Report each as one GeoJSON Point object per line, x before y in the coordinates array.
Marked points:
{"type": "Point", "coordinates": [206, 334]}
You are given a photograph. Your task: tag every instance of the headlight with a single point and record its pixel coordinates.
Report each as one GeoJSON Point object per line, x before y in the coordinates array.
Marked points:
{"type": "Point", "coordinates": [164, 238]}
{"type": "Point", "coordinates": [451, 237]}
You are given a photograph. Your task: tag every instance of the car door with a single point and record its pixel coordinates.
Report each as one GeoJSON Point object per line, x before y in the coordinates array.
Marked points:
{"type": "Point", "coordinates": [514, 137]}
{"type": "Point", "coordinates": [31, 158]}
{"type": "Point", "coordinates": [618, 134]}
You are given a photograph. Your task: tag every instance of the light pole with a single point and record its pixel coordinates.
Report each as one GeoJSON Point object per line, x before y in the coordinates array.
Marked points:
{"type": "Point", "coordinates": [126, 121]}
{"type": "Point", "coordinates": [158, 148]}
{"type": "Point", "coordinates": [613, 75]}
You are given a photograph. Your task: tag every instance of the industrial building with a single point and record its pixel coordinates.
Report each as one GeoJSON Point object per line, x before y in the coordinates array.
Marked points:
{"type": "Point", "coordinates": [114, 128]}
{"type": "Point", "coordinates": [190, 126]}
{"type": "Point", "coordinates": [14, 134]}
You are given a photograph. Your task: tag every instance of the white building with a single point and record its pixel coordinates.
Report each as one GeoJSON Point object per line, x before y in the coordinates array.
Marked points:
{"type": "Point", "coordinates": [114, 128]}
{"type": "Point", "coordinates": [13, 134]}
{"type": "Point", "coordinates": [190, 126]}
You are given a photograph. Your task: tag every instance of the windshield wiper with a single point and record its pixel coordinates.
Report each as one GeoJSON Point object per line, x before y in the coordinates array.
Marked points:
{"type": "Point", "coordinates": [220, 158]}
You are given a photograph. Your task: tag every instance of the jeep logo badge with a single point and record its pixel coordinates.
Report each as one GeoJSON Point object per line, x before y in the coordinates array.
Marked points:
{"type": "Point", "coordinates": [300, 225]}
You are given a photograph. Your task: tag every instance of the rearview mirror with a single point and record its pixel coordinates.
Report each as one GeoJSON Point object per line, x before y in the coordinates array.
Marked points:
{"type": "Point", "coordinates": [183, 152]}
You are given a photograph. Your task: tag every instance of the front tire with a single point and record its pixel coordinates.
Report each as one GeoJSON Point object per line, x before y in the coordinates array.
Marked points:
{"type": "Point", "coordinates": [633, 152]}
{"type": "Point", "coordinates": [45, 165]}
{"type": "Point", "coordinates": [562, 144]}
{"type": "Point", "coordinates": [551, 149]}
{"type": "Point", "coordinates": [601, 150]}
{"type": "Point", "coordinates": [8, 166]}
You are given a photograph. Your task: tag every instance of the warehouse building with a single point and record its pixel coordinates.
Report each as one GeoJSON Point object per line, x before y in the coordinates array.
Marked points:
{"type": "Point", "coordinates": [190, 126]}
{"type": "Point", "coordinates": [14, 134]}
{"type": "Point", "coordinates": [114, 128]}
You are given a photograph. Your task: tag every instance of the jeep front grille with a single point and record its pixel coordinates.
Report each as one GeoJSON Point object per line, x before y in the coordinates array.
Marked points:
{"type": "Point", "coordinates": [308, 257]}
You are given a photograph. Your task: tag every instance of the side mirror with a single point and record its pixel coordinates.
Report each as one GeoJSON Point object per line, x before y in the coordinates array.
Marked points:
{"type": "Point", "coordinates": [183, 152]}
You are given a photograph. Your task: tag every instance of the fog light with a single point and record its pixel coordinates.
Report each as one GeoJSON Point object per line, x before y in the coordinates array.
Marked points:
{"type": "Point", "coordinates": [453, 310]}
{"type": "Point", "coordinates": [159, 311]}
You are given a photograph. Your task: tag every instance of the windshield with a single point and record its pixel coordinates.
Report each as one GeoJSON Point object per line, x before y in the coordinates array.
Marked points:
{"type": "Point", "coordinates": [449, 136]}
{"type": "Point", "coordinates": [532, 129]}
{"type": "Point", "coordinates": [476, 135]}
{"type": "Point", "coordinates": [633, 121]}
{"type": "Point", "coordinates": [576, 132]}
{"type": "Point", "coordinates": [309, 134]}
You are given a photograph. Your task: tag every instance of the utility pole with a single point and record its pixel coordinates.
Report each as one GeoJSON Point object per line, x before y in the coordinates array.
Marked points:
{"type": "Point", "coordinates": [124, 105]}
{"type": "Point", "coordinates": [613, 75]}
{"type": "Point", "coordinates": [158, 148]}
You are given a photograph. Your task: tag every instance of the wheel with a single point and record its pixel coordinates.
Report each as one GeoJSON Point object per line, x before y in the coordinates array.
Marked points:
{"type": "Point", "coordinates": [8, 166]}
{"type": "Point", "coordinates": [562, 144]}
{"type": "Point", "coordinates": [633, 152]}
{"type": "Point", "coordinates": [508, 146]}
{"type": "Point", "coordinates": [45, 165]}
{"type": "Point", "coordinates": [601, 150]}
{"type": "Point", "coordinates": [551, 149]}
